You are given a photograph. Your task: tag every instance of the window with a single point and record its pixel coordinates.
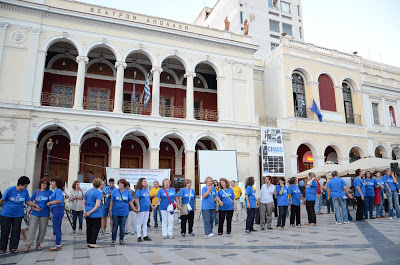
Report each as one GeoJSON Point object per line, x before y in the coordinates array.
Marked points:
{"type": "Point", "coordinates": [375, 112]}
{"type": "Point", "coordinates": [326, 93]}
{"type": "Point", "coordinates": [274, 26]}
{"type": "Point", "coordinates": [63, 96]}
{"type": "Point", "coordinates": [285, 7]}
{"type": "Point", "coordinates": [271, 3]}
{"type": "Point", "coordinates": [299, 97]}
{"type": "Point", "coordinates": [348, 103]}
{"type": "Point", "coordinates": [99, 100]}
{"type": "Point", "coordinates": [166, 107]}
{"type": "Point", "coordinates": [128, 107]}
{"type": "Point", "coordinates": [198, 107]}
{"type": "Point", "coordinates": [275, 37]}
{"type": "Point", "coordinates": [392, 116]}
{"type": "Point", "coordinates": [286, 28]}
{"type": "Point", "coordinates": [241, 17]}
{"type": "Point", "coordinates": [298, 10]}
{"type": "Point", "coordinates": [300, 32]}
{"type": "Point", "coordinates": [273, 46]}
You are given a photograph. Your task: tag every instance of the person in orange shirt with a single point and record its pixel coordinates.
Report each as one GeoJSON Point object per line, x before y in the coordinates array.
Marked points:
{"type": "Point", "coordinates": [238, 193]}
{"type": "Point", "coordinates": [153, 197]}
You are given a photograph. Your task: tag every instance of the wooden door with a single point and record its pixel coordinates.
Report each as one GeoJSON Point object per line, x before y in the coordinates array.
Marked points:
{"type": "Point", "coordinates": [94, 163]}
{"type": "Point", "coordinates": [167, 163]}
{"type": "Point", "coordinates": [130, 162]}
{"type": "Point", "coordinates": [58, 169]}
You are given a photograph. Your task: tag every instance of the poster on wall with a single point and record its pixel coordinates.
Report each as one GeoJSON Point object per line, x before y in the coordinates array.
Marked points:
{"type": "Point", "coordinates": [273, 160]}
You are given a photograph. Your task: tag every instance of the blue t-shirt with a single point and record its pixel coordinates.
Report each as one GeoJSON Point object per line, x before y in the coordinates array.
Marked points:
{"type": "Point", "coordinates": [294, 190]}
{"type": "Point", "coordinates": [369, 187]}
{"type": "Point", "coordinates": [389, 180]}
{"type": "Point", "coordinates": [57, 195]}
{"type": "Point", "coordinates": [228, 203]}
{"type": "Point", "coordinates": [251, 193]}
{"type": "Point", "coordinates": [91, 197]}
{"type": "Point", "coordinates": [208, 203]}
{"type": "Point", "coordinates": [121, 205]}
{"type": "Point", "coordinates": [14, 202]}
{"type": "Point", "coordinates": [301, 183]}
{"type": "Point", "coordinates": [164, 199]}
{"type": "Point", "coordinates": [311, 191]}
{"type": "Point", "coordinates": [185, 193]}
{"type": "Point", "coordinates": [144, 199]}
{"type": "Point", "coordinates": [282, 200]}
{"type": "Point", "coordinates": [336, 186]}
{"type": "Point", "coordinates": [42, 198]}
{"type": "Point", "coordinates": [108, 191]}
{"type": "Point", "coordinates": [359, 182]}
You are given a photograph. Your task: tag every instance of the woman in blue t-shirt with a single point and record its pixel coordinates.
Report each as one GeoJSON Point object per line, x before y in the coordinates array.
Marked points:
{"type": "Point", "coordinates": [187, 195]}
{"type": "Point", "coordinates": [208, 194]}
{"type": "Point", "coordinates": [167, 197]}
{"type": "Point", "coordinates": [370, 184]}
{"type": "Point", "coordinates": [226, 200]}
{"type": "Point", "coordinates": [12, 213]}
{"type": "Point", "coordinates": [91, 210]}
{"type": "Point", "coordinates": [143, 208]}
{"type": "Point", "coordinates": [250, 204]}
{"type": "Point", "coordinates": [311, 197]}
{"type": "Point", "coordinates": [119, 210]}
{"type": "Point", "coordinates": [381, 189]}
{"type": "Point", "coordinates": [56, 204]}
{"type": "Point", "coordinates": [282, 200]}
{"type": "Point", "coordinates": [294, 193]}
{"type": "Point", "coordinates": [39, 219]}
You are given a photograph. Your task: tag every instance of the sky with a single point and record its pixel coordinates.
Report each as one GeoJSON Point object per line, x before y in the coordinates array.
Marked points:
{"type": "Point", "coordinates": [370, 27]}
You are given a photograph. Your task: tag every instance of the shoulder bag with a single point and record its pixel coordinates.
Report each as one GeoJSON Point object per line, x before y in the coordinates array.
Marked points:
{"type": "Point", "coordinates": [186, 208]}
{"type": "Point", "coordinates": [170, 204]}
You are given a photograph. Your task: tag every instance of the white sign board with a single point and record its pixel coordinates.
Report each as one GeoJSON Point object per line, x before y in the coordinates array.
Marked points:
{"type": "Point", "coordinates": [132, 175]}
{"type": "Point", "coordinates": [217, 164]}
{"type": "Point", "coordinates": [273, 160]}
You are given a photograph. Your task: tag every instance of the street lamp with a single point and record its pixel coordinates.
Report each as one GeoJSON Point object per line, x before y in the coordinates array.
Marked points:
{"type": "Point", "coordinates": [49, 147]}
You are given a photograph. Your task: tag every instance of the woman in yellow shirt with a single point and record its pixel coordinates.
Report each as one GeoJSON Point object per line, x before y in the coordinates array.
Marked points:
{"type": "Point", "coordinates": [153, 197]}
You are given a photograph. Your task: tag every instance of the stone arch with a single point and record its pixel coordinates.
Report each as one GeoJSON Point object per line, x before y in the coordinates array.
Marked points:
{"type": "Point", "coordinates": [180, 135]}
{"type": "Point", "coordinates": [359, 149]}
{"type": "Point", "coordinates": [303, 72]}
{"type": "Point", "coordinates": [146, 52]}
{"type": "Point", "coordinates": [335, 83]}
{"type": "Point", "coordinates": [198, 76]}
{"type": "Point", "coordinates": [169, 71]}
{"type": "Point", "coordinates": [337, 149]}
{"type": "Point", "coordinates": [139, 67]}
{"type": "Point", "coordinates": [139, 141]}
{"type": "Point", "coordinates": [107, 62]}
{"type": "Point", "coordinates": [385, 150]}
{"type": "Point", "coordinates": [203, 146]}
{"type": "Point", "coordinates": [60, 56]}
{"type": "Point", "coordinates": [210, 62]}
{"type": "Point", "coordinates": [172, 144]}
{"type": "Point", "coordinates": [96, 126]}
{"type": "Point", "coordinates": [310, 145]}
{"type": "Point", "coordinates": [40, 128]}
{"type": "Point", "coordinates": [181, 59]}
{"type": "Point", "coordinates": [59, 38]}
{"type": "Point", "coordinates": [353, 84]}
{"type": "Point", "coordinates": [109, 46]}
{"type": "Point", "coordinates": [218, 143]}
{"type": "Point", "coordinates": [50, 134]}
{"type": "Point", "coordinates": [145, 133]}
{"type": "Point", "coordinates": [91, 135]}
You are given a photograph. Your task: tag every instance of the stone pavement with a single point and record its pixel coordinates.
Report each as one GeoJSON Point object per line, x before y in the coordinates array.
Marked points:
{"type": "Point", "coordinates": [368, 242]}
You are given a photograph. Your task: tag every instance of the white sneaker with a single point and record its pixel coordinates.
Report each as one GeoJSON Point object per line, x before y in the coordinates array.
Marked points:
{"type": "Point", "coordinates": [132, 233]}
{"type": "Point", "coordinates": [390, 218]}
{"type": "Point", "coordinates": [171, 237]}
{"type": "Point", "coordinates": [338, 223]}
{"type": "Point", "coordinates": [210, 235]}
{"type": "Point", "coordinates": [345, 222]}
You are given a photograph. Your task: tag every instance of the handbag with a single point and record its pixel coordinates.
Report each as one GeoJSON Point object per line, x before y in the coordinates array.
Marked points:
{"type": "Point", "coordinates": [172, 206]}
{"type": "Point", "coordinates": [186, 208]}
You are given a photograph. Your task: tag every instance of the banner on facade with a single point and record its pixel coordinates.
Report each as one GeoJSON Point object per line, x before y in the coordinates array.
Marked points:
{"type": "Point", "coordinates": [273, 162]}
{"type": "Point", "coordinates": [132, 175]}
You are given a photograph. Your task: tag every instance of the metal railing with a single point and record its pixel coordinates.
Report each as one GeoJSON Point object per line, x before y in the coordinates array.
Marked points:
{"type": "Point", "coordinates": [172, 111]}
{"type": "Point", "coordinates": [98, 104]}
{"type": "Point", "coordinates": [354, 119]}
{"type": "Point", "coordinates": [267, 121]}
{"type": "Point", "coordinates": [303, 112]}
{"type": "Point", "coordinates": [136, 108]}
{"type": "Point", "coordinates": [205, 114]}
{"type": "Point", "coordinates": [57, 100]}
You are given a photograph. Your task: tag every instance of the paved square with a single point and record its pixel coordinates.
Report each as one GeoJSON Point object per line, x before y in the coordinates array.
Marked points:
{"type": "Point", "coordinates": [368, 242]}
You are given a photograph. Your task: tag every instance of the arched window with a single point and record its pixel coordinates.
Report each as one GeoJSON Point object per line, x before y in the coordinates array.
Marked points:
{"type": "Point", "coordinates": [348, 103]}
{"type": "Point", "coordinates": [299, 96]}
{"type": "Point", "coordinates": [392, 116]}
{"type": "Point", "coordinates": [326, 93]}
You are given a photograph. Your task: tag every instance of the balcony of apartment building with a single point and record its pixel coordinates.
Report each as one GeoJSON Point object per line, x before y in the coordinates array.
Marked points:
{"type": "Point", "coordinates": [98, 82]}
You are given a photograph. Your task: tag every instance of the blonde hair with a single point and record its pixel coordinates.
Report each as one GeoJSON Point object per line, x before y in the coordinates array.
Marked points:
{"type": "Point", "coordinates": [166, 180]}
{"type": "Point", "coordinates": [207, 178]}
{"type": "Point", "coordinates": [97, 183]}
{"type": "Point", "coordinates": [186, 181]}
{"type": "Point", "coordinates": [311, 175]}
{"type": "Point", "coordinates": [226, 183]}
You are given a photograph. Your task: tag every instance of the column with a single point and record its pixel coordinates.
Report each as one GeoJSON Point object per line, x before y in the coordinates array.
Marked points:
{"type": "Point", "coordinates": [385, 114]}
{"type": "Point", "coordinates": [250, 93]}
{"type": "Point", "coordinates": [30, 165]}
{"type": "Point", "coordinates": [178, 165]}
{"type": "Point", "coordinates": [73, 165]}
{"type": "Point", "coordinates": [189, 166]}
{"type": "Point", "coordinates": [367, 111]}
{"type": "Point", "coordinates": [80, 81]}
{"type": "Point", "coordinates": [119, 87]}
{"type": "Point", "coordinates": [29, 75]}
{"type": "Point", "coordinates": [221, 99]}
{"type": "Point", "coordinates": [3, 29]}
{"type": "Point", "coordinates": [38, 82]}
{"type": "Point", "coordinates": [146, 161]}
{"type": "Point", "coordinates": [155, 101]}
{"type": "Point", "coordinates": [38, 163]}
{"type": "Point", "coordinates": [154, 156]}
{"type": "Point", "coordinates": [344, 161]}
{"type": "Point", "coordinates": [189, 96]}
{"type": "Point", "coordinates": [115, 156]}
{"type": "Point", "coordinates": [397, 114]}
{"type": "Point", "coordinates": [228, 89]}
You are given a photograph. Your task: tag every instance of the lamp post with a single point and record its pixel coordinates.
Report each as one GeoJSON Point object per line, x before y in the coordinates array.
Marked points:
{"type": "Point", "coordinates": [49, 147]}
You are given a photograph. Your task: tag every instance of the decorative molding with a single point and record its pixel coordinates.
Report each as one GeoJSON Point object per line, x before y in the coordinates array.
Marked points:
{"type": "Point", "coordinates": [239, 71]}
{"type": "Point", "coordinates": [35, 30]}
{"type": "Point", "coordinates": [80, 58]}
{"type": "Point", "coordinates": [118, 64]}
{"type": "Point", "coordinates": [156, 69]}
{"type": "Point", "coordinates": [18, 37]}
{"type": "Point", "coordinates": [192, 74]}
{"type": "Point", "coordinates": [249, 65]}
{"type": "Point", "coordinates": [3, 25]}
{"type": "Point", "coordinates": [228, 61]}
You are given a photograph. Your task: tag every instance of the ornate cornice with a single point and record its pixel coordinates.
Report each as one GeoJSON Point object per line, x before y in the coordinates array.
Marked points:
{"type": "Point", "coordinates": [156, 69]}
{"type": "Point", "coordinates": [118, 64]}
{"type": "Point", "coordinates": [82, 58]}
{"type": "Point", "coordinates": [188, 74]}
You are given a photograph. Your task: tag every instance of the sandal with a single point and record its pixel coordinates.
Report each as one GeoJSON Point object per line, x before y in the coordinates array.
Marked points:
{"type": "Point", "coordinates": [15, 251]}
{"type": "Point", "coordinates": [27, 248]}
{"type": "Point", "coordinates": [38, 247]}
{"type": "Point", "coordinates": [112, 242]}
{"type": "Point", "coordinates": [121, 242]}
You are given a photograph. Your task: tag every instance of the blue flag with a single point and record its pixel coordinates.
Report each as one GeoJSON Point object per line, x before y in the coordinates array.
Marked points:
{"type": "Point", "coordinates": [134, 89]}
{"type": "Point", "coordinates": [147, 93]}
{"type": "Point", "coordinates": [315, 109]}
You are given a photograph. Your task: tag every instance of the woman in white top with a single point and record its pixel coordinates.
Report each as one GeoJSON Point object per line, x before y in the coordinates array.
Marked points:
{"type": "Point", "coordinates": [76, 197]}
{"type": "Point", "coordinates": [266, 200]}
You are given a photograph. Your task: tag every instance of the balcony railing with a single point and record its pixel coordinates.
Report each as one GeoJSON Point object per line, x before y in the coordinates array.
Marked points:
{"type": "Point", "coordinates": [136, 108]}
{"type": "Point", "coordinates": [303, 112]}
{"type": "Point", "coordinates": [172, 111]}
{"type": "Point", "coordinates": [98, 104]}
{"type": "Point", "coordinates": [205, 114]}
{"type": "Point", "coordinates": [267, 121]}
{"type": "Point", "coordinates": [57, 100]}
{"type": "Point", "coordinates": [354, 119]}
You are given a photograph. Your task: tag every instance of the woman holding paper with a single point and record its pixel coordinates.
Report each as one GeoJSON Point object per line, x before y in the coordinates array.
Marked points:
{"type": "Point", "coordinates": [227, 204]}
{"type": "Point", "coordinates": [187, 200]}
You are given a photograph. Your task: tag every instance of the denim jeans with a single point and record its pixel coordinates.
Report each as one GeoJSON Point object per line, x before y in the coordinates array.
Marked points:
{"type": "Point", "coordinates": [118, 221]}
{"type": "Point", "coordinates": [329, 206]}
{"type": "Point", "coordinates": [393, 198]}
{"type": "Point", "coordinates": [251, 213]}
{"type": "Point", "coordinates": [282, 216]}
{"type": "Point", "coordinates": [318, 204]}
{"type": "Point", "coordinates": [379, 207]}
{"type": "Point", "coordinates": [208, 220]}
{"type": "Point", "coordinates": [75, 215]}
{"type": "Point", "coordinates": [58, 214]}
{"type": "Point", "coordinates": [369, 206]}
{"type": "Point", "coordinates": [340, 203]}
{"type": "Point", "coordinates": [157, 210]}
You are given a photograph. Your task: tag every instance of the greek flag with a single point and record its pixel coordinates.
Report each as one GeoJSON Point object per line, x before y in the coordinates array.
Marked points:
{"type": "Point", "coordinates": [134, 89]}
{"type": "Point", "coordinates": [147, 93]}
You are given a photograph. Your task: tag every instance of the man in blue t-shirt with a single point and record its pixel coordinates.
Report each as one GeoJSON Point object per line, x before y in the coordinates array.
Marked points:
{"type": "Point", "coordinates": [390, 182]}
{"type": "Point", "coordinates": [337, 190]}
{"type": "Point", "coordinates": [105, 207]}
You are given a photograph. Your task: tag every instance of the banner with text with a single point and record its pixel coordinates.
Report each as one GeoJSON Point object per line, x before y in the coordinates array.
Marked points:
{"type": "Point", "coordinates": [272, 152]}
{"type": "Point", "coordinates": [132, 175]}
